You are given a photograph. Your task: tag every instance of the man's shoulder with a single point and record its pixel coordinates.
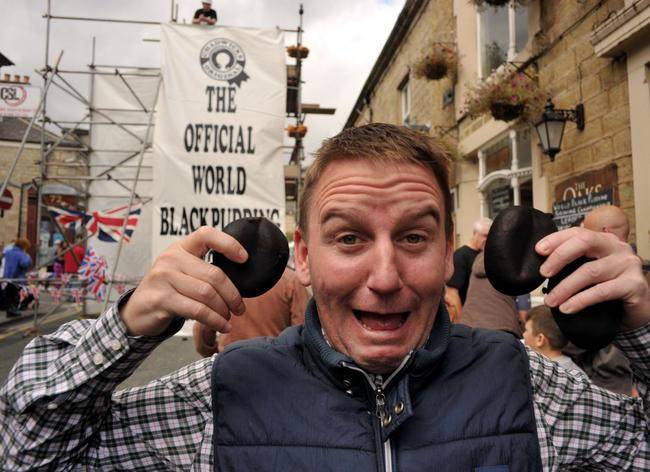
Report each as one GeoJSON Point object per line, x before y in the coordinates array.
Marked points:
{"type": "Point", "coordinates": [483, 337]}
{"type": "Point", "coordinates": [288, 338]}
{"type": "Point", "coordinates": [466, 251]}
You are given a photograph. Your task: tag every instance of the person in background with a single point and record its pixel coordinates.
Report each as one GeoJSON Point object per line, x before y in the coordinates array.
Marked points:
{"type": "Point", "coordinates": [544, 336]}
{"type": "Point", "coordinates": [267, 315]}
{"type": "Point", "coordinates": [485, 307]}
{"type": "Point", "coordinates": [607, 367]}
{"type": "Point", "coordinates": [205, 15]}
{"type": "Point", "coordinates": [16, 263]}
{"type": "Point", "coordinates": [464, 256]}
{"type": "Point", "coordinates": [59, 247]}
{"type": "Point", "coordinates": [72, 259]}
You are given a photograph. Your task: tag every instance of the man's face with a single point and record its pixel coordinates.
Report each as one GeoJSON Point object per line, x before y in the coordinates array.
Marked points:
{"type": "Point", "coordinates": [377, 257]}
{"type": "Point", "coordinates": [207, 6]}
{"type": "Point", "coordinates": [481, 238]}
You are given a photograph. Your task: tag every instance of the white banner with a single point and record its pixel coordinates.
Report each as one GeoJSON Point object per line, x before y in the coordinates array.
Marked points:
{"type": "Point", "coordinates": [116, 152]}
{"type": "Point", "coordinates": [219, 129]}
{"type": "Point", "coordinates": [19, 99]}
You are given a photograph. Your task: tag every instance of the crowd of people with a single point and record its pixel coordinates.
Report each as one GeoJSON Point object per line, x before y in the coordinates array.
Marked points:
{"type": "Point", "coordinates": [377, 376]}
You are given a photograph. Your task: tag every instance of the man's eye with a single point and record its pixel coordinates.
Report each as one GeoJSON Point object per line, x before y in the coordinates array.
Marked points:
{"type": "Point", "coordinates": [414, 238]}
{"type": "Point", "coordinates": [348, 239]}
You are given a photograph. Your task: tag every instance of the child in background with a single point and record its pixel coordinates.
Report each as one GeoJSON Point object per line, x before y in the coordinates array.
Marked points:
{"type": "Point", "coordinates": [544, 336]}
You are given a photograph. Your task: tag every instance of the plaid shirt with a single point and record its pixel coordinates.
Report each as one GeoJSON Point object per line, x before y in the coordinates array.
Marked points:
{"type": "Point", "coordinates": [58, 410]}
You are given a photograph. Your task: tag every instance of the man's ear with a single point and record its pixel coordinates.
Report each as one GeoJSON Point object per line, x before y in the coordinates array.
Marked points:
{"type": "Point", "coordinates": [301, 257]}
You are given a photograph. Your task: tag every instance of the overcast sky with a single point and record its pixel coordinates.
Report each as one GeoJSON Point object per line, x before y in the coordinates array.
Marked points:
{"type": "Point", "coordinates": [344, 38]}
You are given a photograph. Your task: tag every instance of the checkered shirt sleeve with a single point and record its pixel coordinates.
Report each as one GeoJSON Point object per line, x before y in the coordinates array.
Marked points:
{"type": "Point", "coordinates": [582, 427]}
{"type": "Point", "coordinates": [58, 410]}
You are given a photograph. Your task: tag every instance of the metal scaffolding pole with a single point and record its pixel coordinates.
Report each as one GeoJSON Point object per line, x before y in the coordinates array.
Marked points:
{"type": "Point", "coordinates": [21, 147]}
{"type": "Point", "coordinates": [131, 197]}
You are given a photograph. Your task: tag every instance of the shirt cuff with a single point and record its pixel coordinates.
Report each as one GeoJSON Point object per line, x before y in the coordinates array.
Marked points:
{"type": "Point", "coordinates": [635, 344]}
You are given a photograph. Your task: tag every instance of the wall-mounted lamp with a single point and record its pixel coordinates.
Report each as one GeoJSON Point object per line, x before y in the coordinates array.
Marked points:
{"type": "Point", "coordinates": [550, 127]}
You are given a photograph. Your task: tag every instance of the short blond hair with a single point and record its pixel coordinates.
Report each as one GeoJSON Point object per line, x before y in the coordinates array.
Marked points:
{"type": "Point", "coordinates": [379, 142]}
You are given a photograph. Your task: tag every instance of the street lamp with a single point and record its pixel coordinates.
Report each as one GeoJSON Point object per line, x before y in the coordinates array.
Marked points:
{"type": "Point", "coordinates": [550, 127]}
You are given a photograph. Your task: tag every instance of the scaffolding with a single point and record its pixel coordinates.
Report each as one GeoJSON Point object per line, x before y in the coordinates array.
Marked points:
{"type": "Point", "coordinates": [122, 168]}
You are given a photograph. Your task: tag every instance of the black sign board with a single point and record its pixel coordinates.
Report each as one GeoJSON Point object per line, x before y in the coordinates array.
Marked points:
{"type": "Point", "coordinates": [567, 212]}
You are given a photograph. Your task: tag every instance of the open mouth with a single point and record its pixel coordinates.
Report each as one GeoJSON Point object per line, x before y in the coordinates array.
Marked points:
{"type": "Point", "coordinates": [381, 321]}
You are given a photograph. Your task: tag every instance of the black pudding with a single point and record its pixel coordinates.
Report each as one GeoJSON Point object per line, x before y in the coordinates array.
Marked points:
{"type": "Point", "coordinates": [592, 328]}
{"type": "Point", "coordinates": [268, 253]}
{"type": "Point", "coordinates": [511, 263]}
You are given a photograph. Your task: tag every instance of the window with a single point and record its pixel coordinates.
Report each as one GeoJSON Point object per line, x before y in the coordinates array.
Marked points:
{"type": "Point", "coordinates": [503, 32]}
{"type": "Point", "coordinates": [405, 96]}
{"type": "Point", "coordinates": [505, 173]}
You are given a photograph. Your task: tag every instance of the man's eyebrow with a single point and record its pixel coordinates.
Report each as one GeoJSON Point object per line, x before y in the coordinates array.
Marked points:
{"type": "Point", "coordinates": [429, 210]}
{"type": "Point", "coordinates": [344, 214]}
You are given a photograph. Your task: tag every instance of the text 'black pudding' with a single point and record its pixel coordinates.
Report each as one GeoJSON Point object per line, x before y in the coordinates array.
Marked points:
{"type": "Point", "coordinates": [268, 253]}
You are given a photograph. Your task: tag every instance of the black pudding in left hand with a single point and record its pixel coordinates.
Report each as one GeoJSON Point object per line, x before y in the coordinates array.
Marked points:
{"type": "Point", "coordinates": [268, 253]}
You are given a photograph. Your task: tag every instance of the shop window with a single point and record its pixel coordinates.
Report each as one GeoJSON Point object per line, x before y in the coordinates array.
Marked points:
{"type": "Point", "coordinates": [503, 32]}
{"type": "Point", "coordinates": [405, 97]}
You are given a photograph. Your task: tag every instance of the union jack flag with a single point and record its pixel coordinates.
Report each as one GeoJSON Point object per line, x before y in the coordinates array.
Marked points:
{"type": "Point", "coordinates": [94, 269]}
{"type": "Point", "coordinates": [67, 218]}
{"type": "Point", "coordinates": [107, 224]}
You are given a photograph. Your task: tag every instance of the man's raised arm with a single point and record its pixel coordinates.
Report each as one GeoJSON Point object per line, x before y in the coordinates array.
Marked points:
{"type": "Point", "coordinates": [584, 426]}
{"type": "Point", "coordinates": [57, 407]}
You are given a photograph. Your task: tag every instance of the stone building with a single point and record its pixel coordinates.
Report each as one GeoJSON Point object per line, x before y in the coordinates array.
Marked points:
{"type": "Point", "coordinates": [67, 166]}
{"type": "Point", "coordinates": [592, 53]}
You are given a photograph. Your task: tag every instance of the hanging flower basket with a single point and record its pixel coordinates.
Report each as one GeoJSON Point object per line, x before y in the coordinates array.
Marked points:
{"type": "Point", "coordinates": [506, 111]}
{"type": "Point", "coordinates": [298, 51]}
{"type": "Point", "coordinates": [507, 95]}
{"type": "Point", "coordinates": [437, 62]}
{"type": "Point", "coordinates": [298, 131]}
{"type": "Point", "coordinates": [497, 3]}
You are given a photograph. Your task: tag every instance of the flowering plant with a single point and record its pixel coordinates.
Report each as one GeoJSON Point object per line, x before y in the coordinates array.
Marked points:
{"type": "Point", "coordinates": [507, 95]}
{"type": "Point", "coordinates": [298, 51]}
{"type": "Point", "coordinates": [298, 131]}
{"type": "Point", "coordinates": [439, 60]}
{"type": "Point", "coordinates": [497, 3]}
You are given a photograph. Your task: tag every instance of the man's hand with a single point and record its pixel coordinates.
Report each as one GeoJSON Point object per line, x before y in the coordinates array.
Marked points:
{"type": "Point", "coordinates": [205, 340]}
{"type": "Point", "coordinates": [181, 283]}
{"type": "Point", "coordinates": [615, 274]}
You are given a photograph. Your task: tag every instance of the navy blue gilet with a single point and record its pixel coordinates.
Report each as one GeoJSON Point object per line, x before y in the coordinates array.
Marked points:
{"type": "Point", "coordinates": [463, 402]}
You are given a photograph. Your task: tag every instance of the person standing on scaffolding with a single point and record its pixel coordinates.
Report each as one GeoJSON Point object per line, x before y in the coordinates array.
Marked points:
{"type": "Point", "coordinates": [205, 15]}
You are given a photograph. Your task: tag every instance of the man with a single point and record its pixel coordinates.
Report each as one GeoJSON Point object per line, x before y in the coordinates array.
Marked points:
{"type": "Point", "coordinates": [464, 256]}
{"type": "Point", "coordinates": [544, 336]}
{"type": "Point", "coordinates": [376, 379]}
{"type": "Point", "coordinates": [205, 15]}
{"type": "Point", "coordinates": [486, 307]}
{"type": "Point", "coordinates": [73, 258]}
{"type": "Point", "coordinates": [608, 367]}
{"type": "Point", "coordinates": [267, 315]}
{"type": "Point", "coordinates": [16, 263]}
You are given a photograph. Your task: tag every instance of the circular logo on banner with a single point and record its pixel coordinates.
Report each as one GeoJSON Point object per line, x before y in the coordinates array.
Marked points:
{"type": "Point", "coordinates": [223, 59]}
{"type": "Point", "coordinates": [13, 95]}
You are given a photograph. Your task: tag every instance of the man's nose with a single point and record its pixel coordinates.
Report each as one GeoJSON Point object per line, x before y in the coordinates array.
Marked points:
{"type": "Point", "coordinates": [384, 276]}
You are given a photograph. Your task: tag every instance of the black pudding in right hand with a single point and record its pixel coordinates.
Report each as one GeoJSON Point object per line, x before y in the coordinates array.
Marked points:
{"type": "Point", "coordinates": [268, 253]}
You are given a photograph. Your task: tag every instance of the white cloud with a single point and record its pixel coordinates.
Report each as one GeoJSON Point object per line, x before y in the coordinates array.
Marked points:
{"type": "Point", "coordinates": [344, 37]}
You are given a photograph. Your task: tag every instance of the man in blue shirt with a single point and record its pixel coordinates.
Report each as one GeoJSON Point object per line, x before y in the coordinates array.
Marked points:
{"type": "Point", "coordinates": [16, 263]}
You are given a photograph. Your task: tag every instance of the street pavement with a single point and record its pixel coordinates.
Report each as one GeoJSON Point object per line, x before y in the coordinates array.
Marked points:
{"type": "Point", "coordinates": [16, 333]}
